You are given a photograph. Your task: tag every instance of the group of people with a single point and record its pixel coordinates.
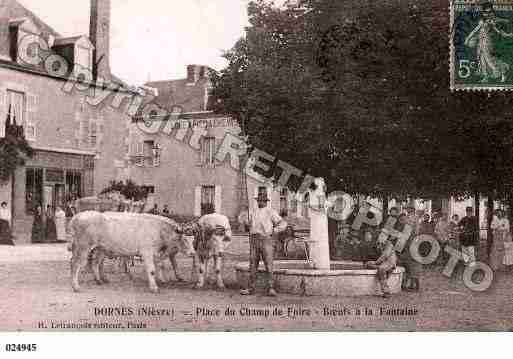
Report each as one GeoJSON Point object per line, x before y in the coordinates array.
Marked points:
{"type": "Point", "coordinates": [49, 226]}
{"type": "Point", "coordinates": [155, 210]}
{"type": "Point", "coordinates": [460, 234]}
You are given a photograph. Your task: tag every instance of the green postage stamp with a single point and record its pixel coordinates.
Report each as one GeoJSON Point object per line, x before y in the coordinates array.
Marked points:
{"type": "Point", "coordinates": [481, 45]}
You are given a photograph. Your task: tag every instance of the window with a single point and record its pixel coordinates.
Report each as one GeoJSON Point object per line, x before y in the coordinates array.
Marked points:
{"type": "Point", "coordinates": [33, 189]}
{"type": "Point", "coordinates": [306, 205]}
{"type": "Point", "coordinates": [73, 185]}
{"type": "Point", "coordinates": [148, 149]}
{"type": "Point", "coordinates": [54, 175]}
{"type": "Point", "coordinates": [138, 153]}
{"type": "Point", "coordinates": [284, 202]}
{"type": "Point", "coordinates": [156, 154]}
{"type": "Point", "coordinates": [208, 194]}
{"type": "Point", "coordinates": [262, 191]}
{"type": "Point", "coordinates": [148, 189]}
{"type": "Point", "coordinates": [93, 134]}
{"type": "Point", "coordinates": [208, 149]}
{"type": "Point", "coordinates": [83, 57]}
{"type": "Point", "coordinates": [16, 106]}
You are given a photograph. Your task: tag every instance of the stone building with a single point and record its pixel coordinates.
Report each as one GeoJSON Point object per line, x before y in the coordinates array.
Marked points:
{"type": "Point", "coordinates": [176, 158]}
{"type": "Point", "coordinates": [73, 156]}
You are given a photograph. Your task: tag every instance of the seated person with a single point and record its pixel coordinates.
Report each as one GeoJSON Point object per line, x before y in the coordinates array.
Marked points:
{"type": "Point", "coordinates": [385, 264]}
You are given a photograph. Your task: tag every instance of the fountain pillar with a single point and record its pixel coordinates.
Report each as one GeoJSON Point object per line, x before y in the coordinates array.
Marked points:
{"type": "Point", "coordinates": [319, 245]}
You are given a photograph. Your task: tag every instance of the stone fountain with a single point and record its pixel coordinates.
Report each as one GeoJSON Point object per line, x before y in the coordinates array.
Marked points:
{"type": "Point", "coordinates": [319, 276]}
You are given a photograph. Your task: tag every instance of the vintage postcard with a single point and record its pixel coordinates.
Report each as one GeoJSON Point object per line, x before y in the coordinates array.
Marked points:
{"type": "Point", "coordinates": [255, 165]}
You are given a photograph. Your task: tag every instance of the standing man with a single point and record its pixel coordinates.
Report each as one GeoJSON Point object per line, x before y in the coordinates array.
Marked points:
{"type": "Point", "coordinates": [469, 237]}
{"type": "Point", "coordinates": [411, 281]}
{"type": "Point", "coordinates": [265, 225]}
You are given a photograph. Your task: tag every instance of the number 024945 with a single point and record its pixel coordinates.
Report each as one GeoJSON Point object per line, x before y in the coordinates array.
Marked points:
{"type": "Point", "coordinates": [20, 347]}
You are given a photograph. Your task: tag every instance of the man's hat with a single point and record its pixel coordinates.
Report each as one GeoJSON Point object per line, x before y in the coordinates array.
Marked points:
{"type": "Point", "coordinates": [262, 197]}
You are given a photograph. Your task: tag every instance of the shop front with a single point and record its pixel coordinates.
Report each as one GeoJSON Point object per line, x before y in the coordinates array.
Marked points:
{"type": "Point", "coordinates": [50, 179]}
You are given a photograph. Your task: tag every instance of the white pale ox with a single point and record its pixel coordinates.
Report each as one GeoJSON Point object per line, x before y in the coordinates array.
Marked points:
{"type": "Point", "coordinates": [125, 235]}
{"type": "Point", "coordinates": [212, 235]}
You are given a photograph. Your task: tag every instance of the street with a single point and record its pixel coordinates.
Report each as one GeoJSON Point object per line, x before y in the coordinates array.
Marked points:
{"type": "Point", "coordinates": [37, 295]}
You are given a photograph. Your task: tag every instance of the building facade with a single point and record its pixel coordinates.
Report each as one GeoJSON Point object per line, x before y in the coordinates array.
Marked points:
{"type": "Point", "coordinates": [176, 159]}
{"type": "Point", "coordinates": [73, 156]}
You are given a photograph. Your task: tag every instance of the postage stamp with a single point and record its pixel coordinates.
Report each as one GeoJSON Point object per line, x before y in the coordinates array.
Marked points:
{"type": "Point", "coordinates": [481, 45]}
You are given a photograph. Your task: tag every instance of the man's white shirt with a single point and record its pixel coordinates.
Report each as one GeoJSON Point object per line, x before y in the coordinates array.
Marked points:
{"type": "Point", "coordinates": [5, 214]}
{"type": "Point", "coordinates": [265, 221]}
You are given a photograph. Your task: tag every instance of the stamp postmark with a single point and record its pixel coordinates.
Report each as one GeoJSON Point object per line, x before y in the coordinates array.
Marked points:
{"type": "Point", "coordinates": [481, 45]}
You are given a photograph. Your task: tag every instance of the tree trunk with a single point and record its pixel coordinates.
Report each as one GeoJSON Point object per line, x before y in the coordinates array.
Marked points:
{"type": "Point", "coordinates": [509, 199]}
{"type": "Point", "coordinates": [385, 199]}
{"type": "Point", "coordinates": [489, 217]}
{"type": "Point", "coordinates": [477, 200]}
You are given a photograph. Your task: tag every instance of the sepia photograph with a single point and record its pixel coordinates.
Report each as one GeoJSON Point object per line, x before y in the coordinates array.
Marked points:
{"type": "Point", "coordinates": [255, 166]}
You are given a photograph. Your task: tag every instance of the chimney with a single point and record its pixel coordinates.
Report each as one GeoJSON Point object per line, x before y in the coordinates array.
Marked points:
{"type": "Point", "coordinates": [5, 42]}
{"type": "Point", "coordinates": [99, 33]}
{"type": "Point", "coordinates": [196, 73]}
{"type": "Point", "coordinates": [5, 39]}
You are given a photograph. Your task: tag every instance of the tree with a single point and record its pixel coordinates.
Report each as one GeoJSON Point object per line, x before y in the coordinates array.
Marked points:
{"type": "Point", "coordinates": [128, 189]}
{"type": "Point", "coordinates": [357, 92]}
{"type": "Point", "coordinates": [14, 150]}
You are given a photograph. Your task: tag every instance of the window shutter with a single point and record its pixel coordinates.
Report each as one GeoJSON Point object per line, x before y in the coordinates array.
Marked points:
{"type": "Point", "coordinates": [3, 111]}
{"type": "Point", "coordinates": [99, 136]}
{"type": "Point", "coordinates": [218, 202]}
{"type": "Point", "coordinates": [30, 116]}
{"type": "Point", "coordinates": [197, 201]}
{"type": "Point", "coordinates": [140, 154]}
{"type": "Point", "coordinates": [84, 132]}
{"type": "Point", "coordinates": [93, 134]}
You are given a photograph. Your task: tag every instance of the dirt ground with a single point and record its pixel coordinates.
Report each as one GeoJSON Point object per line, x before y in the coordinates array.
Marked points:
{"type": "Point", "coordinates": [36, 295]}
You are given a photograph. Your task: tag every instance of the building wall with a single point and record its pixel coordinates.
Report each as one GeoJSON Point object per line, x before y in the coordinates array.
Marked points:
{"type": "Point", "coordinates": [58, 116]}
{"type": "Point", "coordinates": [62, 121]}
{"type": "Point", "coordinates": [181, 175]}
{"type": "Point", "coordinates": [181, 172]}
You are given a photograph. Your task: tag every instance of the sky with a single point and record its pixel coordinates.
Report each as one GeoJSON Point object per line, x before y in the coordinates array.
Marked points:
{"type": "Point", "coordinates": [155, 39]}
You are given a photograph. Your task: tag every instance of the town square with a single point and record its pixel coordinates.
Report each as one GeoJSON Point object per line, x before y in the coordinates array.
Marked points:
{"type": "Point", "coordinates": [308, 165]}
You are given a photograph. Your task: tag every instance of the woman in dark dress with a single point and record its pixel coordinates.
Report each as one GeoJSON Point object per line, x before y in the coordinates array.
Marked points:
{"type": "Point", "coordinates": [51, 228]}
{"type": "Point", "coordinates": [37, 226]}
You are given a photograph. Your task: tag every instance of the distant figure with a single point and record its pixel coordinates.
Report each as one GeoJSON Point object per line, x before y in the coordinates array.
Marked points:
{"type": "Point", "coordinates": [6, 237]}
{"type": "Point", "coordinates": [60, 224]}
{"type": "Point", "coordinates": [426, 225]}
{"type": "Point", "coordinates": [394, 212]}
{"type": "Point", "coordinates": [37, 226]}
{"type": "Point", "coordinates": [165, 211]}
{"type": "Point", "coordinates": [442, 234]}
{"type": "Point", "coordinates": [385, 264]}
{"type": "Point", "coordinates": [469, 236]}
{"type": "Point", "coordinates": [453, 231]}
{"type": "Point", "coordinates": [51, 229]}
{"type": "Point", "coordinates": [500, 227]}
{"type": "Point", "coordinates": [155, 210]}
{"type": "Point", "coordinates": [411, 281]}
